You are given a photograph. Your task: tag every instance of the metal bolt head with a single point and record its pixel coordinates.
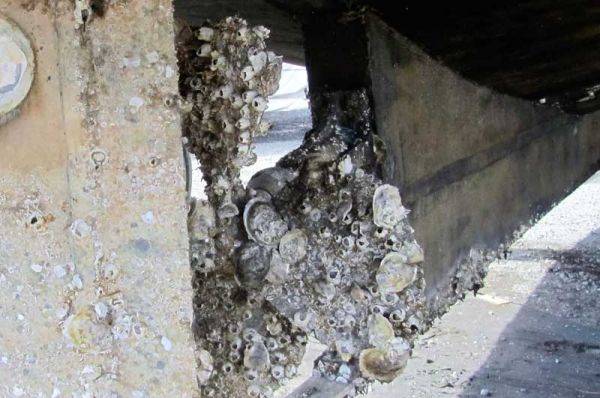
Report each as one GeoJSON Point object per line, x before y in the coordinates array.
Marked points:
{"type": "Point", "coordinates": [16, 67]}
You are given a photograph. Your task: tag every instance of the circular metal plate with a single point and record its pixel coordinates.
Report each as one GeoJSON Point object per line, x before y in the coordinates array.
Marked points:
{"type": "Point", "coordinates": [16, 67]}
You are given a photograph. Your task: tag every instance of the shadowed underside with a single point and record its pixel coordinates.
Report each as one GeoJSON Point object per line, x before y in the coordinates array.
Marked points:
{"type": "Point", "coordinates": [534, 49]}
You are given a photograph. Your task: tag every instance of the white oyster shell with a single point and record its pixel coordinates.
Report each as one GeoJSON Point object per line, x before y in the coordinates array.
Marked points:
{"type": "Point", "coordinates": [385, 363]}
{"type": "Point", "coordinates": [206, 33]}
{"type": "Point", "coordinates": [387, 207]}
{"type": "Point", "coordinates": [394, 274]}
{"type": "Point", "coordinates": [87, 332]}
{"type": "Point", "coordinates": [263, 223]}
{"type": "Point", "coordinates": [413, 252]}
{"type": "Point", "coordinates": [205, 366]}
{"type": "Point", "coordinates": [258, 61]}
{"type": "Point", "coordinates": [380, 330]}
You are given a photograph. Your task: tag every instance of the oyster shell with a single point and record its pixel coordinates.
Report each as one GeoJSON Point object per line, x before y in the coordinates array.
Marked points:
{"type": "Point", "coordinates": [205, 366]}
{"type": "Point", "coordinates": [253, 264]}
{"type": "Point", "coordinates": [394, 274]}
{"type": "Point", "coordinates": [205, 33]}
{"type": "Point", "coordinates": [305, 263]}
{"type": "Point", "coordinates": [413, 252]}
{"type": "Point", "coordinates": [380, 330]}
{"type": "Point", "coordinates": [387, 207]}
{"type": "Point", "coordinates": [258, 61]}
{"type": "Point", "coordinates": [272, 180]}
{"type": "Point", "coordinates": [263, 223]}
{"type": "Point", "coordinates": [87, 332]}
{"type": "Point", "coordinates": [228, 210]}
{"type": "Point", "coordinates": [386, 363]}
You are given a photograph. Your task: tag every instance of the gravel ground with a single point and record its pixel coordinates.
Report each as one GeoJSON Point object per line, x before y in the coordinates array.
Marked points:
{"type": "Point", "coordinates": [534, 330]}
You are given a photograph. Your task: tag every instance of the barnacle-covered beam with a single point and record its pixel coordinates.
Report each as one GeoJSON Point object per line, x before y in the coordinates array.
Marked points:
{"type": "Point", "coordinates": [316, 246]}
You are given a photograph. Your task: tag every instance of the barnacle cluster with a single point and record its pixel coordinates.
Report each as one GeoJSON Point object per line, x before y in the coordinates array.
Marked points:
{"type": "Point", "coordinates": [354, 279]}
{"type": "Point", "coordinates": [227, 74]}
{"type": "Point", "coordinates": [316, 246]}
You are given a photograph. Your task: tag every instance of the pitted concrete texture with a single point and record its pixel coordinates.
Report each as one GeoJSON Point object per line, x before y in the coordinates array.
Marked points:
{"type": "Point", "coordinates": [534, 330]}
{"type": "Point", "coordinates": [95, 291]}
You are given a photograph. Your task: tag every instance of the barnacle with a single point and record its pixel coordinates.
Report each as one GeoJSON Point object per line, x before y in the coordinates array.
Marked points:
{"type": "Point", "coordinates": [293, 246]}
{"type": "Point", "coordinates": [323, 247]}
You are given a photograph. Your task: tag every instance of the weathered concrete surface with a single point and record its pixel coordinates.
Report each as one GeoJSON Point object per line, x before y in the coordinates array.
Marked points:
{"type": "Point", "coordinates": [95, 292]}
{"type": "Point", "coordinates": [473, 165]}
{"type": "Point", "coordinates": [534, 330]}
